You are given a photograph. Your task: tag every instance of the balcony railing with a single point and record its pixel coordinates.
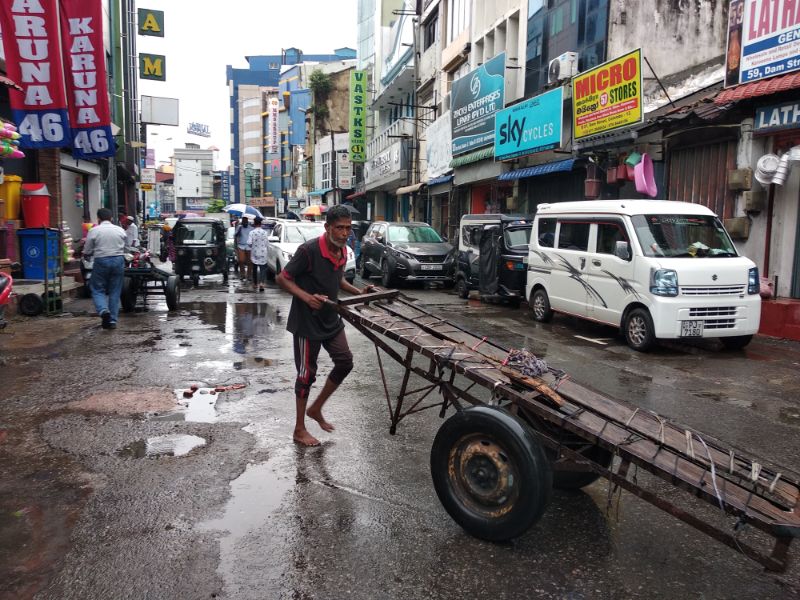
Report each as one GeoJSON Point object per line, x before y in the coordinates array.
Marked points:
{"type": "Point", "coordinates": [390, 135]}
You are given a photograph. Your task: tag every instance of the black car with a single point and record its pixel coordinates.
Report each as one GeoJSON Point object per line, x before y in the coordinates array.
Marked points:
{"type": "Point", "coordinates": [406, 252]}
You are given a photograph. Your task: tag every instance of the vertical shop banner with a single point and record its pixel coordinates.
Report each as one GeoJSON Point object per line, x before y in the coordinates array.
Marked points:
{"type": "Point", "coordinates": [33, 59]}
{"type": "Point", "coordinates": [358, 113]}
{"type": "Point", "coordinates": [474, 100]}
{"type": "Point", "coordinates": [273, 135]}
{"type": "Point", "coordinates": [608, 96]}
{"type": "Point", "coordinates": [84, 65]}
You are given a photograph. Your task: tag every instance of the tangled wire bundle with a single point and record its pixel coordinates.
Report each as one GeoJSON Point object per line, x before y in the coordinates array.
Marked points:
{"type": "Point", "coordinates": [526, 363]}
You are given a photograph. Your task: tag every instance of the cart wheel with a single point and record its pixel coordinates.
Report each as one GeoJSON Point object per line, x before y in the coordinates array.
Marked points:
{"type": "Point", "coordinates": [225, 276]}
{"type": "Point", "coordinates": [128, 295]}
{"type": "Point", "coordinates": [540, 306]}
{"type": "Point", "coordinates": [575, 480]}
{"type": "Point", "coordinates": [462, 289]}
{"type": "Point", "coordinates": [31, 305]}
{"type": "Point", "coordinates": [490, 473]}
{"type": "Point", "coordinates": [196, 280]}
{"type": "Point", "coordinates": [172, 292]}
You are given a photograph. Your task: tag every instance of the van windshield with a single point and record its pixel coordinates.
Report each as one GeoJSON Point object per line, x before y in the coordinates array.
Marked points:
{"type": "Point", "coordinates": [682, 236]}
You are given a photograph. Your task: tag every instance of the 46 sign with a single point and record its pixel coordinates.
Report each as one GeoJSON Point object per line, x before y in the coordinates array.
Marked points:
{"type": "Point", "coordinates": [44, 127]}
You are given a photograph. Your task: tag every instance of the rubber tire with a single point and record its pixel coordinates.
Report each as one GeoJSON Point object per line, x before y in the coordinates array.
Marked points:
{"type": "Point", "coordinates": [736, 342]}
{"type": "Point", "coordinates": [462, 289]}
{"type": "Point", "coordinates": [127, 296]}
{"type": "Point", "coordinates": [639, 319]}
{"type": "Point", "coordinates": [31, 305]}
{"type": "Point", "coordinates": [543, 313]}
{"type": "Point", "coordinates": [387, 279]}
{"type": "Point", "coordinates": [518, 447]}
{"type": "Point", "coordinates": [225, 275]}
{"type": "Point", "coordinates": [575, 480]}
{"type": "Point", "coordinates": [361, 269]}
{"type": "Point", "coordinates": [196, 280]}
{"type": "Point", "coordinates": [172, 292]}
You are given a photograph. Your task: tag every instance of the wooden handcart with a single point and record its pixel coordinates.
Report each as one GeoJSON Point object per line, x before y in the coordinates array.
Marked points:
{"type": "Point", "coordinates": [515, 437]}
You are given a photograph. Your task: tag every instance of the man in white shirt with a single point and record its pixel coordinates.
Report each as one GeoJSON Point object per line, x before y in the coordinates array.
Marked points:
{"type": "Point", "coordinates": [257, 244]}
{"type": "Point", "coordinates": [131, 232]}
{"type": "Point", "coordinates": [105, 244]}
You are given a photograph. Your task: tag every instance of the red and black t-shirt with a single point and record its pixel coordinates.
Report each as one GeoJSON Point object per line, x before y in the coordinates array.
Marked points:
{"type": "Point", "coordinates": [317, 271]}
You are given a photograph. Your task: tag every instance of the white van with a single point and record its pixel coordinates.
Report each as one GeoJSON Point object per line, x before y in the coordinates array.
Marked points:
{"type": "Point", "coordinates": [657, 269]}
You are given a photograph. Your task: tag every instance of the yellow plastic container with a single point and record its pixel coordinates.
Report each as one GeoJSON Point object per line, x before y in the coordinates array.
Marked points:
{"type": "Point", "coordinates": [9, 191]}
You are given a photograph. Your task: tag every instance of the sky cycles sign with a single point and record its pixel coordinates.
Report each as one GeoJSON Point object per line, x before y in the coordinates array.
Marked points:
{"type": "Point", "coordinates": [475, 98]}
{"type": "Point", "coordinates": [530, 126]}
{"type": "Point", "coordinates": [608, 97]}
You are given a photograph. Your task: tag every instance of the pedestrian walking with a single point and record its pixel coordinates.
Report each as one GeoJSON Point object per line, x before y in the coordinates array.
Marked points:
{"type": "Point", "coordinates": [131, 232]}
{"type": "Point", "coordinates": [257, 246]}
{"type": "Point", "coordinates": [242, 253]}
{"type": "Point", "coordinates": [314, 276]}
{"type": "Point", "coordinates": [105, 244]}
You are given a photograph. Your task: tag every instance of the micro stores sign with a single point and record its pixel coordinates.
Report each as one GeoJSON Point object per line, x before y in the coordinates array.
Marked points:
{"type": "Point", "coordinates": [49, 114]}
{"type": "Point", "coordinates": [608, 97]}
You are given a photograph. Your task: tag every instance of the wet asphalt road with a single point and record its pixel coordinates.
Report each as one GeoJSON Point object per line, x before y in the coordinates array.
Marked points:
{"type": "Point", "coordinates": [91, 507]}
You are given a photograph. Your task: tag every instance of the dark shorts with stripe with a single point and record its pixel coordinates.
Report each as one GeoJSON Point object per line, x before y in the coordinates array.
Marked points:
{"type": "Point", "coordinates": [306, 352]}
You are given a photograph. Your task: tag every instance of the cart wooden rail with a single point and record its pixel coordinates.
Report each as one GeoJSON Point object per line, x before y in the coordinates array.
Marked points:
{"type": "Point", "coordinates": [482, 457]}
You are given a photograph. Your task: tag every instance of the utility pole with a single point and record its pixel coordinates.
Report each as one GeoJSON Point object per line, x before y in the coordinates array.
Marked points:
{"type": "Point", "coordinates": [334, 158]}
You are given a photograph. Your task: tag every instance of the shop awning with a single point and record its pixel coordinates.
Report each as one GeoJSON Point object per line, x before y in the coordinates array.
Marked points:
{"type": "Point", "coordinates": [321, 192]}
{"type": "Point", "coordinates": [764, 87]}
{"type": "Point", "coordinates": [545, 169]}
{"type": "Point", "coordinates": [440, 180]}
{"type": "Point", "coordinates": [410, 189]}
{"type": "Point", "coordinates": [355, 195]}
{"type": "Point", "coordinates": [465, 159]}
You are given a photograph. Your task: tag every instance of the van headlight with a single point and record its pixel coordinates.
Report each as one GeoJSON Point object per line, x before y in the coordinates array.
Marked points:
{"type": "Point", "coordinates": [753, 286]}
{"type": "Point", "coordinates": [664, 282]}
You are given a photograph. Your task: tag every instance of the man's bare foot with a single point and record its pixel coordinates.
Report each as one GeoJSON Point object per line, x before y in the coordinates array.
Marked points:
{"type": "Point", "coordinates": [316, 414]}
{"type": "Point", "coordinates": [305, 439]}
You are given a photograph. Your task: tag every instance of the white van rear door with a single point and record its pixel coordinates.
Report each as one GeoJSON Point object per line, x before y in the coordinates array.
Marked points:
{"type": "Point", "coordinates": [568, 277]}
{"type": "Point", "coordinates": [610, 278]}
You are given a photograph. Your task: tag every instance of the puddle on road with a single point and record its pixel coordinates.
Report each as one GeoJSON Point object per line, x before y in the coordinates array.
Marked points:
{"type": "Point", "coordinates": [162, 445]}
{"type": "Point", "coordinates": [201, 407]}
{"type": "Point", "coordinates": [250, 362]}
{"type": "Point", "coordinates": [720, 397]}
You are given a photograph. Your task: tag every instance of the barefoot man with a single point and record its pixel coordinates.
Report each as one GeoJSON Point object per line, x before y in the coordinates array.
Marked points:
{"type": "Point", "coordinates": [316, 274]}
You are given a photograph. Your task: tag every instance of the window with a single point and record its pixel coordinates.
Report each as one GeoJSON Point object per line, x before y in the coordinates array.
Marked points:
{"type": "Point", "coordinates": [573, 235]}
{"type": "Point", "coordinates": [458, 18]}
{"type": "Point", "coordinates": [327, 175]}
{"type": "Point", "coordinates": [430, 32]}
{"type": "Point", "coordinates": [404, 234]}
{"type": "Point", "coordinates": [546, 233]}
{"type": "Point", "coordinates": [608, 234]}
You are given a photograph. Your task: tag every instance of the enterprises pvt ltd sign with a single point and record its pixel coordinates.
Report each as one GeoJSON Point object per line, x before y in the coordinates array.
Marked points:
{"type": "Point", "coordinates": [608, 97]}
{"type": "Point", "coordinates": [358, 110]}
{"type": "Point", "coordinates": [475, 98]}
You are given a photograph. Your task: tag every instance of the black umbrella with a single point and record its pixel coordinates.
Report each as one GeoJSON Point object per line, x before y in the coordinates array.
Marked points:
{"type": "Point", "coordinates": [354, 212]}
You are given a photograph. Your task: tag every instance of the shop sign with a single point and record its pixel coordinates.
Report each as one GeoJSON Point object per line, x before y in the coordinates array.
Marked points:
{"type": "Point", "coordinates": [153, 67]}
{"type": "Point", "coordinates": [198, 129]}
{"type": "Point", "coordinates": [225, 186]}
{"type": "Point", "coordinates": [777, 116]}
{"type": "Point", "coordinates": [146, 187]}
{"type": "Point", "coordinates": [608, 97]}
{"type": "Point", "coordinates": [273, 135]}
{"type": "Point", "coordinates": [344, 168]}
{"type": "Point", "coordinates": [30, 39]}
{"type": "Point", "coordinates": [763, 39]}
{"type": "Point", "coordinates": [148, 176]}
{"type": "Point", "coordinates": [439, 146]}
{"type": "Point", "coordinates": [530, 126]}
{"type": "Point", "coordinates": [151, 22]}
{"type": "Point", "coordinates": [84, 60]}
{"type": "Point", "coordinates": [358, 113]}
{"type": "Point", "coordinates": [385, 166]}
{"type": "Point", "coordinates": [263, 202]}
{"type": "Point", "coordinates": [475, 98]}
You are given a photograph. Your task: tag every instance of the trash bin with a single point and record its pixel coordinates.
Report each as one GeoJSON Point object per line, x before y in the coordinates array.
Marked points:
{"type": "Point", "coordinates": [33, 252]}
{"type": "Point", "coordinates": [35, 205]}
{"type": "Point", "coordinates": [9, 191]}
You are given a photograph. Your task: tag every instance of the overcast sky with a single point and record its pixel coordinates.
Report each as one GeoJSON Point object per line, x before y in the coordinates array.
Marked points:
{"type": "Point", "coordinates": [203, 36]}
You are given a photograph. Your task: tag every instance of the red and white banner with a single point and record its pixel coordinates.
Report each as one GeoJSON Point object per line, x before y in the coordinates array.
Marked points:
{"type": "Point", "coordinates": [33, 60]}
{"type": "Point", "coordinates": [84, 65]}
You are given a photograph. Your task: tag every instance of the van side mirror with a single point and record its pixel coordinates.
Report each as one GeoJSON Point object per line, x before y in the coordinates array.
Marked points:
{"type": "Point", "coordinates": [622, 250]}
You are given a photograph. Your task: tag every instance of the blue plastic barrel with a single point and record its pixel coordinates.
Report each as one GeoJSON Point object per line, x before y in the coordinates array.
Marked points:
{"type": "Point", "coordinates": [33, 252]}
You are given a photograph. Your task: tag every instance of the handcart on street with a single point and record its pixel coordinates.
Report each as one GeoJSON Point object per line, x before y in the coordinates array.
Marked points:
{"type": "Point", "coordinates": [516, 433]}
{"type": "Point", "coordinates": [144, 279]}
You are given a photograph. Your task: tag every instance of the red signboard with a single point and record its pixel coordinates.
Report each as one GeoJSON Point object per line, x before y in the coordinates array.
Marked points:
{"type": "Point", "coordinates": [33, 59]}
{"type": "Point", "coordinates": [84, 63]}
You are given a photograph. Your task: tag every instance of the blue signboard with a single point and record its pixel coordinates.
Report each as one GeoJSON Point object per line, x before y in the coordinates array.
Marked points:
{"type": "Point", "coordinates": [474, 100]}
{"type": "Point", "coordinates": [530, 126]}
{"type": "Point", "coordinates": [225, 186]}
{"type": "Point", "coordinates": [779, 116]}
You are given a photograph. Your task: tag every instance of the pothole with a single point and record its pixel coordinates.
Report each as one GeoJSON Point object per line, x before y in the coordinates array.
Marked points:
{"type": "Point", "coordinates": [177, 444]}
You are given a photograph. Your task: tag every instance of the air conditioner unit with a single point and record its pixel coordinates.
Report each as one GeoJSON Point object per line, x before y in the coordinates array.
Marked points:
{"type": "Point", "coordinates": [563, 67]}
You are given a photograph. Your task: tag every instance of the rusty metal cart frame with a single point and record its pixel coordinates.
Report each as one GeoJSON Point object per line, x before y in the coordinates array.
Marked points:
{"type": "Point", "coordinates": [583, 434]}
{"type": "Point", "coordinates": [149, 281]}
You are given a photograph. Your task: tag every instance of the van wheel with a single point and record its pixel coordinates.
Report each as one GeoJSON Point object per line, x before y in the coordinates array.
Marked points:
{"type": "Point", "coordinates": [540, 306]}
{"type": "Point", "coordinates": [736, 342]}
{"type": "Point", "coordinates": [639, 330]}
{"type": "Point", "coordinates": [462, 289]}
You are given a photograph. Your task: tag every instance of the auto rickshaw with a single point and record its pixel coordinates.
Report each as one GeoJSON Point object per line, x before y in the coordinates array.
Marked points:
{"type": "Point", "coordinates": [200, 248]}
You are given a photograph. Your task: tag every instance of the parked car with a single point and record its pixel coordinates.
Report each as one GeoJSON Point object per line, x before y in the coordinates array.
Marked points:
{"type": "Point", "coordinates": [656, 269]}
{"type": "Point", "coordinates": [288, 235]}
{"type": "Point", "coordinates": [493, 256]}
{"type": "Point", "coordinates": [406, 252]}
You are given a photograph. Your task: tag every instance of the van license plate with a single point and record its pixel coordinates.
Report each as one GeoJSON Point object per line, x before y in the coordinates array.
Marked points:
{"type": "Point", "coordinates": [430, 267]}
{"type": "Point", "coordinates": [691, 328]}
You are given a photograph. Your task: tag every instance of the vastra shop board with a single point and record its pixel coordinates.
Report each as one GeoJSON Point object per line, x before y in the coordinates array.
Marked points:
{"type": "Point", "coordinates": [530, 126]}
